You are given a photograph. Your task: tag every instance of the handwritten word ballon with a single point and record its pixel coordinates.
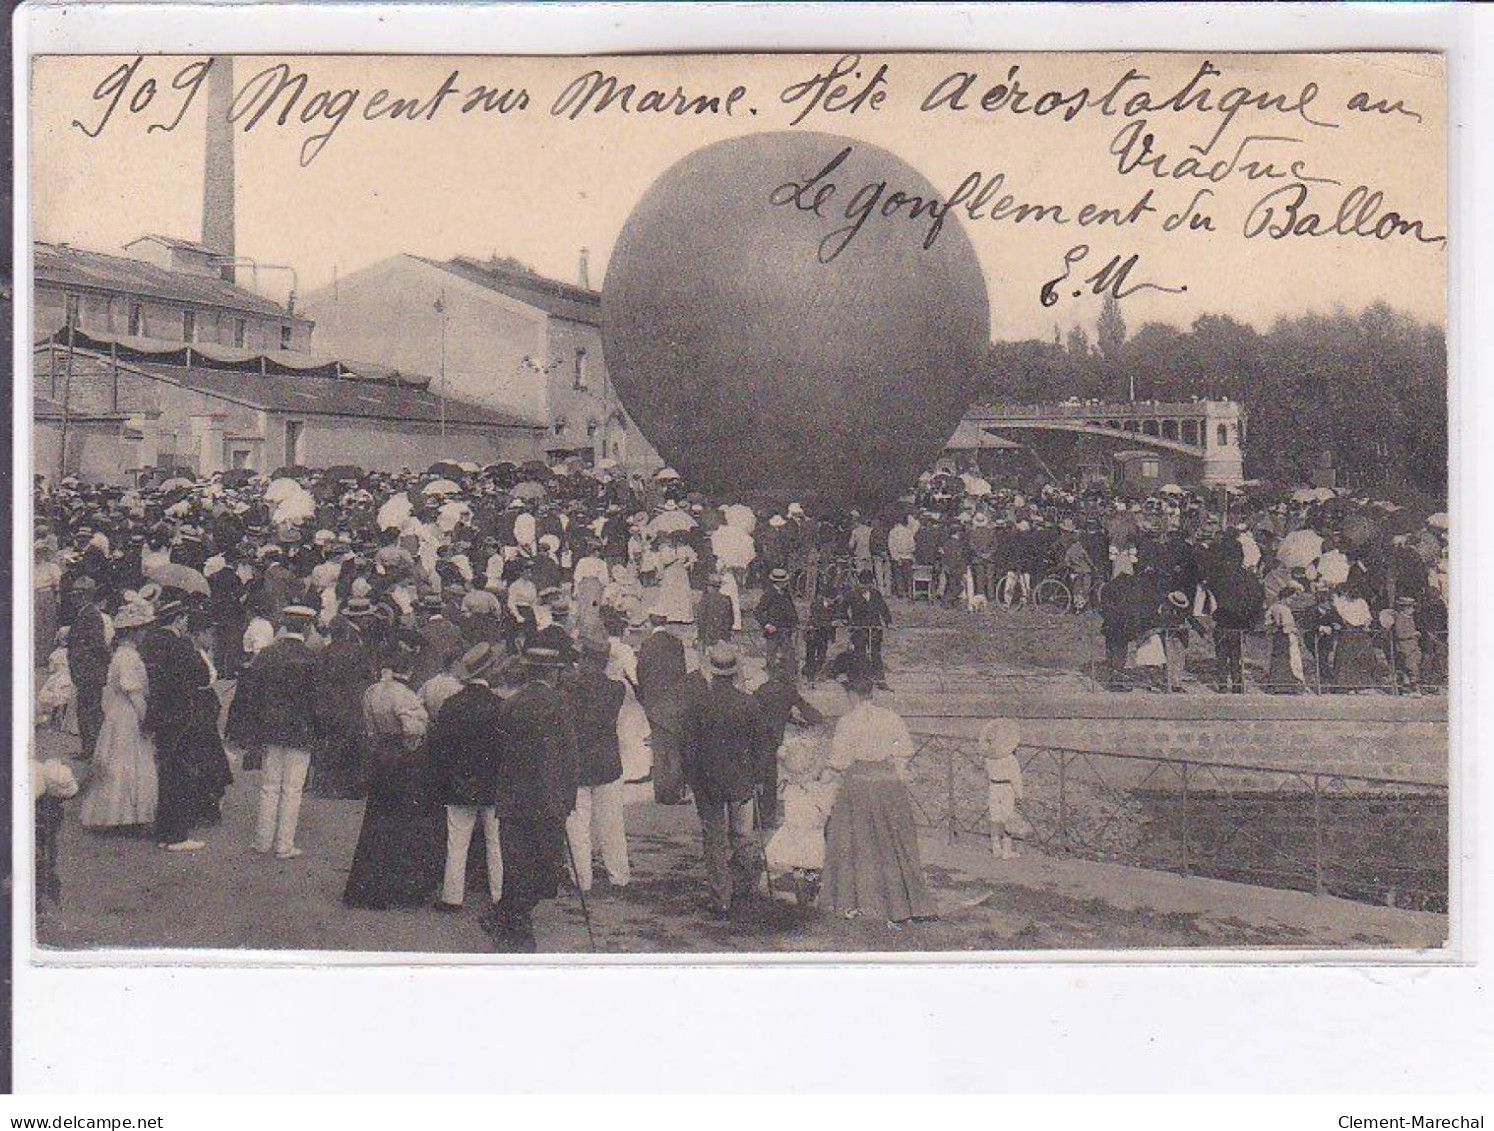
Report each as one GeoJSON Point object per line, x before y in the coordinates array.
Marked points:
{"type": "Point", "coordinates": [760, 370]}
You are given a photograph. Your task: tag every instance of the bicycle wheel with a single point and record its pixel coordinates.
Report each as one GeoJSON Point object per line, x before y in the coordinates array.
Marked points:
{"type": "Point", "coordinates": [1053, 595]}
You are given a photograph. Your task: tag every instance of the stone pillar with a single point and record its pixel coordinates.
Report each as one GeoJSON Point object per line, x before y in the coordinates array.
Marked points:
{"type": "Point", "coordinates": [1222, 463]}
{"type": "Point", "coordinates": [208, 430]}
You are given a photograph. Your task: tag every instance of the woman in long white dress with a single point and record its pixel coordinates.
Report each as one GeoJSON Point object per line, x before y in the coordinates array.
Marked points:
{"type": "Point", "coordinates": [123, 789]}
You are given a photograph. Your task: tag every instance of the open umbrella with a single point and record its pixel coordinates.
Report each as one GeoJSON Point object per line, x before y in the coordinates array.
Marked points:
{"type": "Point", "coordinates": [1173, 489]}
{"type": "Point", "coordinates": [394, 511]}
{"type": "Point", "coordinates": [174, 575]}
{"type": "Point", "coordinates": [1299, 548]}
{"type": "Point", "coordinates": [1333, 567]}
{"type": "Point", "coordinates": [281, 489]}
{"type": "Point", "coordinates": [440, 487]}
{"type": "Point", "coordinates": [445, 467]}
{"type": "Point", "coordinates": [740, 516]}
{"type": "Point", "coordinates": [342, 471]}
{"type": "Point", "coordinates": [177, 484]}
{"type": "Point", "coordinates": [666, 473]}
{"type": "Point", "coordinates": [529, 490]}
{"type": "Point", "coordinates": [1313, 494]}
{"type": "Point", "coordinates": [670, 522]}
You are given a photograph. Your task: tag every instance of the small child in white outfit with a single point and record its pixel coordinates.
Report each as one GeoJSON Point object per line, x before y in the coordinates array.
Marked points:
{"type": "Point", "coordinates": [999, 740]}
{"type": "Point", "coordinates": [808, 793]}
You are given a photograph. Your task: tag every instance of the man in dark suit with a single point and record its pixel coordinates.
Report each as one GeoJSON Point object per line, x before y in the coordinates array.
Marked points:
{"type": "Point", "coordinates": [537, 778]}
{"type": "Point", "coordinates": [713, 614]}
{"type": "Point", "coordinates": [780, 701]}
{"type": "Point", "coordinates": [88, 661]}
{"type": "Point", "coordinates": [593, 702]}
{"type": "Point", "coordinates": [466, 755]}
{"type": "Point", "coordinates": [274, 711]}
{"type": "Point", "coordinates": [726, 746]}
{"type": "Point", "coordinates": [779, 619]}
{"type": "Point", "coordinates": [661, 692]}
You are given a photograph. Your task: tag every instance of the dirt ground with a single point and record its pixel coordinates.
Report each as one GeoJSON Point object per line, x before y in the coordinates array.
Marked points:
{"type": "Point", "coordinates": [122, 891]}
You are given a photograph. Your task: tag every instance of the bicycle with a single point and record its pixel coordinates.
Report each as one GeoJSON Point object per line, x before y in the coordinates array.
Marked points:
{"type": "Point", "coordinates": [1056, 593]}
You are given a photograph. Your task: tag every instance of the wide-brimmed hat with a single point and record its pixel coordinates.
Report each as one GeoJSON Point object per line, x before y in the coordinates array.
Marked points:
{"type": "Point", "coordinates": [1178, 599]}
{"type": "Point", "coordinates": [541, 657]}
{"type": "Point", "coordinates": [723, 660]}
{"type": "Point", "coordinates": [304, 612]}
{"type": "Point", "coordinates": [478, 660]}
{"type": "Point", "coordinates": [356, 607]}
{"type": "Point", "coordinates": [135, 614]}
{"type": "Point", "coordinates": [778, 575]}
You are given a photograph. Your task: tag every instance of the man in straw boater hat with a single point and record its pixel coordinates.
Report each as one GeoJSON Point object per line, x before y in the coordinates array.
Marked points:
{"type": "Point", "coordinates": [466, 754]}
{"type": "Point", "coordinates": [726, 744]}
{"type": "Point", "coordinates": [537, 778]}
{"type": "Point", "coordinates": [779, 619]}
{"type": "Point", "coordinates": [273, 711]}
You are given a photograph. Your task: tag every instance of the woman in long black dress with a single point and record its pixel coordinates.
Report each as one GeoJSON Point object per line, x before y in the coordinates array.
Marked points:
{"type": "Point", "coordinates": [191, 764]}
{"type": "Point", "coordinates": [401, 847]}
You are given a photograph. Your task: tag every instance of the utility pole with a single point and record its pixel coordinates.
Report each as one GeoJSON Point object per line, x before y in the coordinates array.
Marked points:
{"type": "Point", "coordinates": [441, 310]}
{"type": "Point", "coordinates": [67, 394]}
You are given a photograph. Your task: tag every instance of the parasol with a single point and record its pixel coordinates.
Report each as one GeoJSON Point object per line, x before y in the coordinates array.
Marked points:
{"type": "Point", "coordinates": [394, 511]}
{"type": "Point", "coordinates": [174, 575]}
{"type": "Point", "coordinates": [445, 467]}
{"type": "Point", "coordinates": [528, 490]}
{"type": "Point", "coordinates": [440, 487]}
{"type": "Point", "coordinates": [666, 473]}
{"type": "Point", "coordinates": [1333, 567]}
{"type": "Point", "coordinates": [740, 516]}
{"type": "Point", "coordinates": [670, 522]}
{"type": "Point", "coordinates": [177, 484]}
{"type": "Point", "coordinates": [1172, 489]}
{"type": "Point", "coordinates": [281, 489]}
{"type": "Point", "coordinates": [1299, 548]}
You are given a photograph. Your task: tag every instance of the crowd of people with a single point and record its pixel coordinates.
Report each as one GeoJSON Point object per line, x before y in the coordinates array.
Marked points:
{"type": "Point", "coordinates": [503, 652]}
{"type": "Point", "coordinates": [456, 648]}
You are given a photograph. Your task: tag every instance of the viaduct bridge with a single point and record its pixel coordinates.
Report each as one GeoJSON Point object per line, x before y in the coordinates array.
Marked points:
{"type": "Point", "coordinates": [1209, 432]}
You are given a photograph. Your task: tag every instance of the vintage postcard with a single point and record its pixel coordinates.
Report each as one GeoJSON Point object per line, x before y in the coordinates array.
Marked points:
{"type": "Point", "coordinates": [757, 504]}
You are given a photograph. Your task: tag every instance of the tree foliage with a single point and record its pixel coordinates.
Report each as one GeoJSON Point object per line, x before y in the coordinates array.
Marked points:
{"type": "Point", "coordinates": [1371, 387]}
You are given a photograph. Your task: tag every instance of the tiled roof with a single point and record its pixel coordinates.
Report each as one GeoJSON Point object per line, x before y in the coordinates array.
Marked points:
{"type": "Point", "coordinates": [576, 304]}
{"type": "Point", "coordinates": [66, 266]}
{"type": "Point", "coordinates": [305, 395]}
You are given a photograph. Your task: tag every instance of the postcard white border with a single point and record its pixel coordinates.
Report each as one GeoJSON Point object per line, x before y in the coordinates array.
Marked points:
{"type": "Point", "coordinates": [58, 977]}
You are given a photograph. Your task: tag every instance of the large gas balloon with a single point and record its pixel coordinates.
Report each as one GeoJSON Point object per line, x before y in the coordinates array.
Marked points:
{"type": "Point", "coordinates": [818, 344]}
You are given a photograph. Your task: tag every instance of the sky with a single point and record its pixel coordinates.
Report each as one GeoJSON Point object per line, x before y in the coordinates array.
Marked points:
{"type": "Point", "coordinates": [540, 187]}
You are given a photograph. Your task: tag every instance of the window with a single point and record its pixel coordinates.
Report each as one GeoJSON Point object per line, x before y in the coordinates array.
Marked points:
{"type": "Point", "coordinates": [240, 458]}
{"type": "Point", "coordinates": [1223, 435]}
{"type": "Point", "coordinates": [285, 337]}
{"type": "Point", "coordinates": [189, 325]}
{"type": "Point", "coordinates": [72, 314]}
{"type": "Point", "coordinates": [240, 332]}
{"type": "Point", "coordinates": [1149, 468]}
{"type": "Point", "coordinates": [137, 320]}
{"type": "Point", "coordinates": [293, 429]}
{"type": "Point", "coordinates": [578, 380]}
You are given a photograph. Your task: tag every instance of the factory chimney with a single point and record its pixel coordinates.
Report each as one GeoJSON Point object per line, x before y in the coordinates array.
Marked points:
{"type": "Point", "coordinates": [583, 269]}
{"type": "Point", "coordinates": [218, 172]}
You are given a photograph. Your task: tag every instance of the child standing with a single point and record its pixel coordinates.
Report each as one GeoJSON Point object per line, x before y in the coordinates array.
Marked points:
{"type": "Point", "coordinates": [999, 740]}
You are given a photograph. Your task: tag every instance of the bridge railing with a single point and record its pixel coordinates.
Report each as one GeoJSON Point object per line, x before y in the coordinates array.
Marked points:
{"type": "Point", "coordinates": [1374, 840]}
